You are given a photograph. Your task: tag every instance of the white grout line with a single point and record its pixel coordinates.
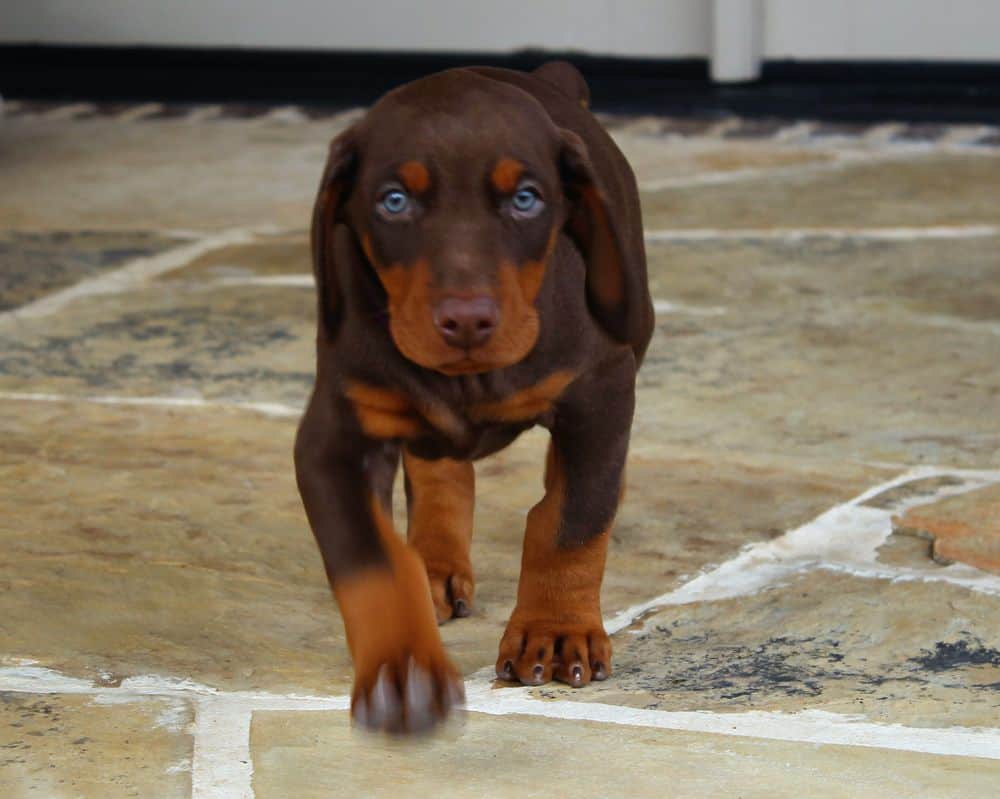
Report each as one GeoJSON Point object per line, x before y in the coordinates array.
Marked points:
{"type": "Point", "coordinates": [965, 135]}
{"type": "Point", "coordinates": [68, 111]}
{"type": "Point", "coordinates": [286, 114]}
{"type": "Point", "coordinates": [797, 133]}
{"type": "Point", "coordinates": [666, 306]}
{"type": "Point", "coordinates": [845, 538]}
{"type": "Point", "coordinates": [883, 134]}
{"type": "Point", "coordinates": [808, 726]}
{"type": "Point", "coordinates": [138, 112]}
{"type": "Point", "coordinates": [266, 408]}
{"type": "Point", "coordinates": [222, 767]}
{"type": "Point", "coordinates": [204, 114]}
{"type": "Point", "coordinates": [134, 273]}
{"type": "Point", "coordinates": [304, 280]}
{"type": "Point", "coordinates": [865, 152]}
{"type": "Point", "coordinates": [798, 234]}
{"type": "Point", "coordinates": [735, 175]}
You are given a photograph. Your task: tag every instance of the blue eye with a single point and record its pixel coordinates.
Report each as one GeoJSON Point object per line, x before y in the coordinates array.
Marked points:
{"type": "Point", "coordinates": [394, 202]}
{"type": "Point", "coordinates": [525, 200]}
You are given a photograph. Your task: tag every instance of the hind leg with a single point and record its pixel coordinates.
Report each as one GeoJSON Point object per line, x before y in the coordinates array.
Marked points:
{"type": "Point", "coordinates": [440, 495]}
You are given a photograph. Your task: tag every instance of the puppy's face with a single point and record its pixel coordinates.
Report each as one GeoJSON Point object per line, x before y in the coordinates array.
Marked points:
{"type": "Point", "coordinates": [457, 202]}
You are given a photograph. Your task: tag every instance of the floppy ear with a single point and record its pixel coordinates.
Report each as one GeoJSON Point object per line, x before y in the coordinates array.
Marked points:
{"type": "Point", "coordinates": [334, 188]}
{"type": "Point", "coordinates": [617, 292]}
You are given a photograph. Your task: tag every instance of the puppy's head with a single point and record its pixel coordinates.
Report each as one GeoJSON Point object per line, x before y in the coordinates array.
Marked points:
{"type": "Point", "coordinates": [455, 188]}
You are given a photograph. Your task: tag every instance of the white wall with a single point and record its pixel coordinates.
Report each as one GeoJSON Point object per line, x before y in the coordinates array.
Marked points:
{"type": "Point", "coordinates": [802, 29]}
{"type": "Point", "coordinates": [627, 27]}
{"type": "Point", "coordinates": [956, 30]}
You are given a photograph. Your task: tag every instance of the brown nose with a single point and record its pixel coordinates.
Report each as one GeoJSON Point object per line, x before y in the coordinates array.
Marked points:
{"type": "Point", "coordinates": [466, 322]}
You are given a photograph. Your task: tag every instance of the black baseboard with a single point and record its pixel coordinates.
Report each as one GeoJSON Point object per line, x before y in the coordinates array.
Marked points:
{"type": "Point", "coordinates": [866, 91]}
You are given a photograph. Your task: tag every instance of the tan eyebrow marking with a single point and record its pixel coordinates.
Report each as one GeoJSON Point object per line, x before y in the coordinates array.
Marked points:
{"type": "Point", "coordinates": [414, 176]}
{"type": "Point", "coordinates": [506, 174]}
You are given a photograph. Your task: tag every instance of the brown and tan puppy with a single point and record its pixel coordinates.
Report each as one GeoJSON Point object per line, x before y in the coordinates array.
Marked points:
{"type": "Point", "coordinates": [478, 252]}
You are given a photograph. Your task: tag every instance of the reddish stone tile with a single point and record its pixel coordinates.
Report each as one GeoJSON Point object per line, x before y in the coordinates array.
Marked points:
{"type": "Point", "coordinates": [965, 528]}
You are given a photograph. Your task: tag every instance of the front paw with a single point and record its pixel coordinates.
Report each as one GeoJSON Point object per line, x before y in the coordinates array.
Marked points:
{"type": "Point", "coordinates": [403, 680]}
{"type": "Point", "coordinates": [539, 646]}
{"type": "Point", "coordinates": [408, 698]}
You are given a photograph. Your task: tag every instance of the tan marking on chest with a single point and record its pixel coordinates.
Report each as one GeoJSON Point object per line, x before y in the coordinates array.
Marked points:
{"type": "Point", "coordinates": [528, 403]}
{"type": "Point", "coordinates": [383, 413]}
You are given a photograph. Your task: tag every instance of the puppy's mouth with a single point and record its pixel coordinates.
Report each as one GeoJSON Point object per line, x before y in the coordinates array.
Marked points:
{"type": "Point", "coordinates": [465, 365]}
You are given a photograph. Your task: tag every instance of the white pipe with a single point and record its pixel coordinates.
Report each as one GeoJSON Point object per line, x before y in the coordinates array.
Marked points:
{"type": "Point", "coordinates": [736, 40]}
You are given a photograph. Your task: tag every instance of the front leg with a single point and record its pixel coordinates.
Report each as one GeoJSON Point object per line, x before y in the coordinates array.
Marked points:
{"type": "Point", "coordinates": [556, 629]}
{"type": "Point", "coordinates": [403, 681]}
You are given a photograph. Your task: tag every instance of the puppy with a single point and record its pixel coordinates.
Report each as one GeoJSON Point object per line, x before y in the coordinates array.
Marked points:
{"type": "Point", "coordinates": [478, 253]}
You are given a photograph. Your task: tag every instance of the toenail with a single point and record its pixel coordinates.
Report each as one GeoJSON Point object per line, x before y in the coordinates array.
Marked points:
{"type": "Point", "coordinates": [461, 609]}
{"type": "Point", "coordinates": [577, 674]}
{"type": "Point", "coordinates": [539, 671]}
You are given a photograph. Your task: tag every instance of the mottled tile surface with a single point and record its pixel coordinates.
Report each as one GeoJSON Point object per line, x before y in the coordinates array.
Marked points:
{"type": "Point", "coordinates": [313, 755]}
{"type": "Point", "coordinates": [245, 343]}
{"type": "Point", "coordinates": [271, 256]}
{"type": "Point", "coordinates": [174, 542]}
{"type": "Point", "coordinates": [935, 190]}
{"type": "Point", "coordinates": [34, 264]}
{"type": "Point", "coordinates": [897, 652]}
{"type": "Point", "coordinates": [61, 746]}
{"type": "Point", "coordinates": [787, 375]}
{"type": "Point", "coordinates": [837, 349]}
{"type": "Point", "coordinates": [161, 542]}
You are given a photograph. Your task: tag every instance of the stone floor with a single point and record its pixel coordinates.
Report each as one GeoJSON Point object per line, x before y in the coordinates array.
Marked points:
{"type": "Point", "coordinates": [803, 585]}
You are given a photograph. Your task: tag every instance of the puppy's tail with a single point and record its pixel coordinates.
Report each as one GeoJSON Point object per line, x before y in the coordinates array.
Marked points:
{"type": "Point", "coordinates": [567, 78]}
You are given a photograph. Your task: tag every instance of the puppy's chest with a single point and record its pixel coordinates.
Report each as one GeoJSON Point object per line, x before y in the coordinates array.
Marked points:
{"type": "Point", "coordinates": [454, 423]}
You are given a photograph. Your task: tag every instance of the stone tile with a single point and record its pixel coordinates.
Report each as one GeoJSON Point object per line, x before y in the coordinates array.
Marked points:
{"type": "Point", "coordinates": [913, 653]}
{"type": "Point", "coordinates": [965, 528]}
{"type": "Point", "coordinates": [929, 190]}
{"type": "Point", "coordinates": [247, 343]}
{"type": "Point", "coordinates": [182, 175]}
{"type": "Point", "coordinates": [887, 345]}
{"type": "Point", "coordinates": [316, 755]}
{"type": "Point", "coordinates": [922, 132]}
{"type": "Point", "coordinates": [757, 128]}
{"type": "Point", "coordinates": [143, 541]}
{"type": "Point", "coordinates": [852, 129]}
{"type": "Point", "coordinates": [57, 746]}
{"type": "Point", "coordinates": [151, 541]}
{"type": "Point", "coordinates": [827, 349]}
{"type": "Point", "coordinates": [35, 264]}
{"type": "Point", "coordinates": [283, 254]}
{"type": "Point", "coordinates": [654, 160]}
